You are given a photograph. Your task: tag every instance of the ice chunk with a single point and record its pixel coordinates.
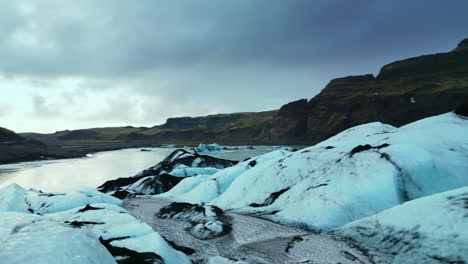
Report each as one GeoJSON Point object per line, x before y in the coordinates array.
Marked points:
{"type": "Point", "coordinates": [208, 148]}
{"type": "Point", "coordinates": [26, 238]}
{"type": "Point", "coordinates": [432, 229]}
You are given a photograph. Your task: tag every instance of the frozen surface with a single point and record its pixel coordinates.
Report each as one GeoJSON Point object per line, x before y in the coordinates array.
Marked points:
{"type": "Point", "coordinates": [206, 221]}
{"type": "Point", "coordinates": [204, 188]}
{"type": "Point", "coordinates": [75, 227]}
{"type": "Point", "coordinates": [113, 222]}
{"type": "Point", "coordinates": [14, 198]}
{"type": "Point", "coordinates": [357, 173]}
{"type": "Point", "coordinates": [34, 239]}
{"type": "Point", "coordinates": [221, 260]}
{"type": "Point", "coordinates": [185, 186]}
{"type": "Point", "coordinates": [208, 147]}
{"type": "Point", "coordinates": [185, 171]}
{"type": "Point", "coordinates": [166, 174]}
{"type": "Point", "coordinates": [432, 229]}
{"type": "Point", "coordinates": [251, 239]}
{"type": "Point", "coordinates": [347, 183]}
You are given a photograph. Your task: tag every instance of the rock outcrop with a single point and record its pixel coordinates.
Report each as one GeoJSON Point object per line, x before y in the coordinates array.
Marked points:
{"type": "Point", "coordinates": [165, 175]}
{"type": "Point", "coordinates": [206, 221]}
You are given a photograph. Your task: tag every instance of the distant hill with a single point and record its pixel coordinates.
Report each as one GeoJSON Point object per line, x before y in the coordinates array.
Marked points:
{"type": "Point", "coordinates": [14, 148]}
{"type": "Point", "coordinates": [9, 136]}
{"type": "Point", "coordinates": [403, 91]}
{"type": "Point", "coordinates": [34, 146]}
{"type": "Point", "coordinates": [236, 128]}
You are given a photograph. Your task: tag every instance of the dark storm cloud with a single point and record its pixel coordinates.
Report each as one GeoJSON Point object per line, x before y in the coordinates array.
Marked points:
{"type": "Point", "coordinates": [87, 63]}
{"type": "Point", "coordinates": [115, 38]}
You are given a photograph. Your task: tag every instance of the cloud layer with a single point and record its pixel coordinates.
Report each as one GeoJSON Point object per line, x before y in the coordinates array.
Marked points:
{"type": "Point", "coordinates": [96, 63]}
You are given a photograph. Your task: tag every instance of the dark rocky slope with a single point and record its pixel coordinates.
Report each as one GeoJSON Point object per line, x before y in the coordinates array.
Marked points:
{"type": "Point", "coordinates": [231, 129]}
{"type": "Point", "coordinates": [29, 147]}
{"type": "Point", "coordinates": [14, 148]}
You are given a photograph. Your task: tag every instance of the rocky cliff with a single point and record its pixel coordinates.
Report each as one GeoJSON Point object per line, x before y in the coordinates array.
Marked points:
{"type": "Point", "coordinates": [403, 91]}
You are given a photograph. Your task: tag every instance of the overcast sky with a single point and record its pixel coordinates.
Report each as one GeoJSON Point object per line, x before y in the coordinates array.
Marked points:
{"type": "Point", "coordinates": [87, 63]}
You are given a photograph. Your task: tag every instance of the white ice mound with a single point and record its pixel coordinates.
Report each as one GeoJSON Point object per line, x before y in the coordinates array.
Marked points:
{"type": "Point", "coordinates": [357, 173]}
{"type": "Point", "coordinates": [432, 229]}
{"type": "Point", "coordinates": [84, 226]}
{"type": "Point", "coordinates": [208, 147]}
{"type": "Point", "coordinates": [204, 188]}
{"type": "Point", "coordinates": [115, 228]}
{"type": "Point", "coordinates": [34, 239]}
{"type": "Point", "coordinates": [14, 198]}
{"type": "Point", "coordinates": [165, 175]}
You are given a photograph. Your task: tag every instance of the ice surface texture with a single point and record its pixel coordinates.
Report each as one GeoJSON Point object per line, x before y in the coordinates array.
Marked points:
{"type": "Point", "coordinates": [165, 175]}
{"type": "Point", "coordinates": [432, 229]}
{"type": "Point", "coordinates": [357, 173]}
{"type": "Point", "coordinates": [79, 227]}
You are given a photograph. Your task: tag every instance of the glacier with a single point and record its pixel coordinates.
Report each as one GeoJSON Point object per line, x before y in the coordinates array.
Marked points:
{"type": "Point", "coordinates": [165, 175]}
{"type": "Point", "coordinates": [357, 173]}
{"type": "Point", "coordinates": [79, 227]}
{"type": "Point", "coordinates": [371, 194]}
{"type": "Point", "coordinates": [433, 229]}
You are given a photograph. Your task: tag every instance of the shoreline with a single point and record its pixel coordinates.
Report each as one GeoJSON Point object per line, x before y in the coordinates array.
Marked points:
{"type": "Point", "coordinates": [17, 154]}
{"type": "Point", "coordinates": [10, 154]}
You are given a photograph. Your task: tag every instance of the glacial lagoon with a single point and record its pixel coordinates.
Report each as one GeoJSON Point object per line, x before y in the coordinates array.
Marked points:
{"type": "Point", "coordinates": [92, 171]}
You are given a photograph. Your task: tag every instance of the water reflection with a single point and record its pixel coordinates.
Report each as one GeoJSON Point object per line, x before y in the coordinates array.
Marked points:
{"type": "Point", "coordinates": [60, 175]}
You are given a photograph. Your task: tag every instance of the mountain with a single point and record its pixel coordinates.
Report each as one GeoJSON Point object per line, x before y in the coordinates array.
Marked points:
{"type": "Point", "coordinates": [403, 91]}
{"type": "Point", "coordinates": [235, 128]}
{"type": "Point", "coordinates": [9, 136]}
{"type": "Point", "coordinates": [14, 148]}
{"type": "Point", "coordinates": [31, 146]}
